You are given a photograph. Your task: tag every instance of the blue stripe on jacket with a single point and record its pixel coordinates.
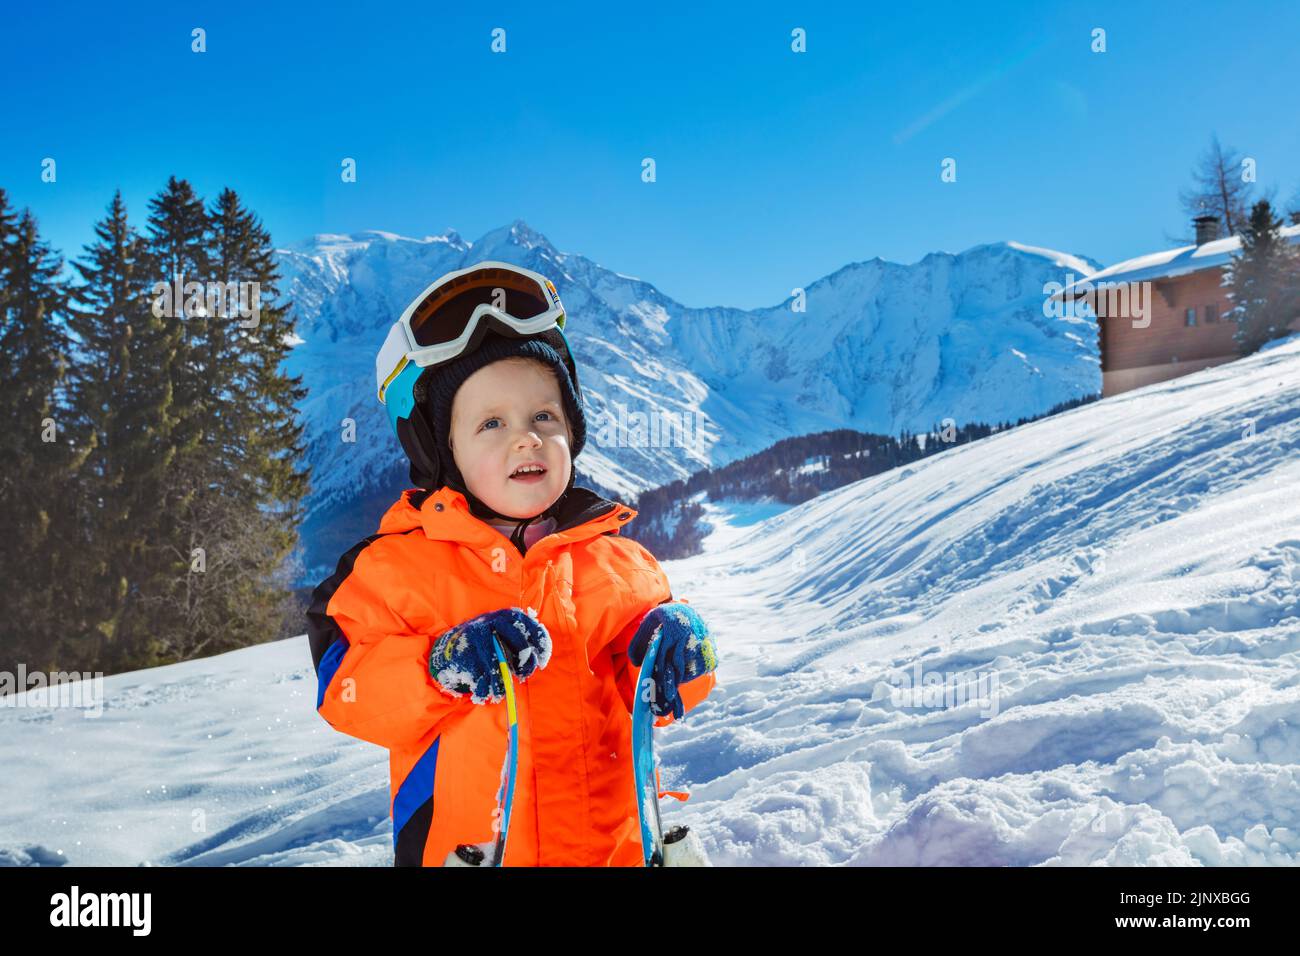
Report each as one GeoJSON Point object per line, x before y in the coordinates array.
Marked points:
{"type": "Point", "coordinates": [329, 663]}
{"type": "Point", "coordinates": [416, 789]}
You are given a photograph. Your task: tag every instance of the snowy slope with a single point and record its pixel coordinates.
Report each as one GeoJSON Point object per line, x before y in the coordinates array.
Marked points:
{"type": "Point", "coordinates": [881, 347]}
{"type": "Point", "coordinates": [1124, 578]}
{"type": "Point", "coordinates": [1117, 588]}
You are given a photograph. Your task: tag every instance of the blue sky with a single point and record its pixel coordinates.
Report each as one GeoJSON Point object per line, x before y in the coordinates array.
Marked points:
{"type": "Point", "coordinates": [773, 168]}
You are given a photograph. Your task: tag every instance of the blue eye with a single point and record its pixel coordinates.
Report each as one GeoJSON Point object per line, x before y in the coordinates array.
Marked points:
{"type": "Point", "coordinates": [490, 420]}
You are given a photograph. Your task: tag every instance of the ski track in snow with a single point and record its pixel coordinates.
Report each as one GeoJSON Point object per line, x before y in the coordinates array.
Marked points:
{"type": "Point", "coordinates": [1124, 578]}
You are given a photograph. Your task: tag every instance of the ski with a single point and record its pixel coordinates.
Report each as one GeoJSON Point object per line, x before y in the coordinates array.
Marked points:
{"type": "Point", "coordinates": [506, 794]}
{"type": "Point", "coordinates": [679, 846]}
{"type": "Point", "coordinates": [643, 760]}
{"type": "Point", "coordinates": [471, 854]}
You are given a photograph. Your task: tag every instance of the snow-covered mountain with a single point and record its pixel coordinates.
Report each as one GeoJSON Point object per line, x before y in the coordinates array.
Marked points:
{"type": "Point", "coordinates": [879, 347]}
{"type": "Point", "coordinates": [1118, 585]}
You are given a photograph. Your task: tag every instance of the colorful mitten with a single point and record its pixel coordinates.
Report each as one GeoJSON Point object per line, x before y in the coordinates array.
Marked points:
{"type": "Point", "coordinates": [685, 652]}
{"type": "Point", "coordinates": [463, 661]}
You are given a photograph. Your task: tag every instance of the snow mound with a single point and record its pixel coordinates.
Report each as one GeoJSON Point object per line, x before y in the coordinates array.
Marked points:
{"type": "Point", "coordinates": [1105, 606]}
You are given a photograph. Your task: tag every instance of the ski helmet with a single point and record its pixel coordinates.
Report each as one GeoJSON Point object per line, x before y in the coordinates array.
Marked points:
{"type": "Point", "coordinates": [463, 321]}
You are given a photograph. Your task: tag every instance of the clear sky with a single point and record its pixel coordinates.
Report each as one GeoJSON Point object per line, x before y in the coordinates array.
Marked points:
{"type": "Point", "coordinates": [773, 167]}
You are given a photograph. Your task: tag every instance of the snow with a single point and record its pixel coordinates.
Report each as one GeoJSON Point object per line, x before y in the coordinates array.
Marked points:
{"type": "Point", "coordinates": [1127, 575]}
{"type": "Point", "coordinates": [1120, 585]}
{"type": "Point", "coordinates": [1175, 262]}
{"type": "Point", "coordinates": [728, 521]}
{"type": "Point", "coordinates": [812, 465]}
{"type": "Point", "coordinates": [1062, 259]}
{"type": "Point", "coordinates": [216, 761]}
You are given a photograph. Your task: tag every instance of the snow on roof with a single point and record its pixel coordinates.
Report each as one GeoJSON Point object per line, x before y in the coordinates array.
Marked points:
{"type": "Point", "coordinates": [1171, 262]}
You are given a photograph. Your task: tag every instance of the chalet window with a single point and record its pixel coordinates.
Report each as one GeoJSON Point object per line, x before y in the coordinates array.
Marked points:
{"type": "Point", "coordinates": [1189, 317]}
{"type": "Point", "coordinates": [1211, 313]}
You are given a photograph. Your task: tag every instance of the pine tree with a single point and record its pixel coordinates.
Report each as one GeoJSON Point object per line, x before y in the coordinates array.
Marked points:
{"type": "Point", "coordinates": [1264, 281]}
{"type": "Point", "coordinates": [122, 391]}
{"type": "Point", "coordinates": [36, 454]}
{"type": "Point", "coordinates": [246, 515]}
{"type": "Point", "coordinates": [177, 430]}
{"type": "Point", "coordinates": [177, 251]}
{"type": "Point", "coordinates": [177, 255]}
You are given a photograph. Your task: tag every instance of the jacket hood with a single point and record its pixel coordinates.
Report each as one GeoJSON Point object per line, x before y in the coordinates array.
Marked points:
{"type": "Point", "coordinates": [445, 516]}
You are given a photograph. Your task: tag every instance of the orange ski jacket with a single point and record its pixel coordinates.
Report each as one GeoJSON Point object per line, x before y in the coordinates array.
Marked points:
{"type": "Point", "coordinates": [433, 565]}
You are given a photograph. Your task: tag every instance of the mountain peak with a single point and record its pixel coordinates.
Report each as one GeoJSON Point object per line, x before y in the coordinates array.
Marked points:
{"type": "Point", "coordinates": [517, 234]}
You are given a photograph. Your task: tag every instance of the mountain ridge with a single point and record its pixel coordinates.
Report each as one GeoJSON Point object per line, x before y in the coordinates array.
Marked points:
{"type": "Point", "coordinates": [880, 347]}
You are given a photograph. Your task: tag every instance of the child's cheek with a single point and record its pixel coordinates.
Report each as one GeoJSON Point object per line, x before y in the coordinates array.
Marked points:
{"type": "Point", "coordinates": [484, 469]}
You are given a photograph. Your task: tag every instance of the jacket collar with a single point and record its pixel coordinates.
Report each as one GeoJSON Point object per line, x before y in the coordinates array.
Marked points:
{"type": "Point", "coordinates": [445, 516]}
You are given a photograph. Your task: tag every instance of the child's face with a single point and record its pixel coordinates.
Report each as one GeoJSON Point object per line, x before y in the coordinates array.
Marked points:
{"type": "Point", "coordinates": [505, 415]}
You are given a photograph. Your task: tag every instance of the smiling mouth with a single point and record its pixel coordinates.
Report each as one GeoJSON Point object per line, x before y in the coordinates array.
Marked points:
{"type": "Point", "coordinates": [529, 472]}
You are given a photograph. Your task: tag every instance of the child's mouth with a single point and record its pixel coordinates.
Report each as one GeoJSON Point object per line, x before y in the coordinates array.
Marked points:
{"type": "Point", "coordinates": [529, 477]}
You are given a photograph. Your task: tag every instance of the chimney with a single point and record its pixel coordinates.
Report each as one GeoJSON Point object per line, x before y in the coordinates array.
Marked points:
{"type": "Point", "coordinates": [1207, 229]}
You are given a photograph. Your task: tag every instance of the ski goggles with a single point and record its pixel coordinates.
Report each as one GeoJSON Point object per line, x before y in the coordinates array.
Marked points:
{"type": "Point", "coordinates": [450, 318]}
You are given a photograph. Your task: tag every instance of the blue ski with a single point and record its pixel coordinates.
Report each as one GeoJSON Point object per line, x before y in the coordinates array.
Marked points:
{"type": "Point", "coordinates": [471, 854]}
{"type": "Point", "coordinates": [643, 761]}
{"type": "Point", "coordinates": [506, 794]}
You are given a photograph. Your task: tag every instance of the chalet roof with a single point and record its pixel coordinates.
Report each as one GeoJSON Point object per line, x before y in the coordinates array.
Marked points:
{"type": "Point", "coordinates": [1171, 262]}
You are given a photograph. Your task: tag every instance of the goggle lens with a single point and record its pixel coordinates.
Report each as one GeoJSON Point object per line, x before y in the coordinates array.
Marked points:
{"type": "Point", "coordinates": [442, 317]}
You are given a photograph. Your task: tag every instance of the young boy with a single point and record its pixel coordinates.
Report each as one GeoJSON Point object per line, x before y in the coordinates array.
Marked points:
{"type": "Point", "coordinates": [497, 542]}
